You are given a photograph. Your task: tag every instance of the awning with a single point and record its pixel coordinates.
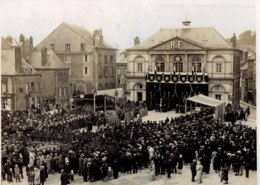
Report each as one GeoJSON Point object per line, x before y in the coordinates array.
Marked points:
{"type": "Point", "coordinates": [205, 100]}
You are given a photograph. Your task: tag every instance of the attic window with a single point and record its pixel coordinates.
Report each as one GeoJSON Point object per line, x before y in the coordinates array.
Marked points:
{"type": "Point", "coordinates": [67, 47]}
{"type": "Point", "coordinates": [52, 47]}
{"type": "Point", "coordinates": [82, 47]}
{"type": "Point", "coordinates": [205, 42]}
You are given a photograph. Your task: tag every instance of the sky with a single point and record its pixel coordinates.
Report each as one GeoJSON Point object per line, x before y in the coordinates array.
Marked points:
{"type": "Point", "coordinates": [121, 21]}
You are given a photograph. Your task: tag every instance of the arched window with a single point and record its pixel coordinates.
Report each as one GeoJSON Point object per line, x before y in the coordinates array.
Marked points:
{"type": "Point", "coordinates": [196, 64]}
{"type": "Point", "coordinates": [219, 61]}
{"type": "Point", "coordinates": [160, 64]}
{"type": "Point", "coordinates": [177, 64]}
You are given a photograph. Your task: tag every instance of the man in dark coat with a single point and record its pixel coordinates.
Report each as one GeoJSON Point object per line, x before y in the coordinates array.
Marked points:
{"type": "Point", "coordinates": [42, 175]}
{"type": "Point", "coordinates": [64, 178]}
{"type": "Point", "coordinates": [193, 170]}
{"type": "Point", "coordinates": [115, 167]}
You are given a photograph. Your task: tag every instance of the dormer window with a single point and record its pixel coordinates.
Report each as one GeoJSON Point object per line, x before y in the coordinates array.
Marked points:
{"type": "Point", "coordinates": [82, 47]}
{"type": "Point", "coordinates": [67, 47]}
{"type": "Point", "coordinates": [52, 47]}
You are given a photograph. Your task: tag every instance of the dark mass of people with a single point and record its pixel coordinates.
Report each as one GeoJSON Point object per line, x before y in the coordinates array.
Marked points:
{"type": "Point", "coordinates": [48, 144]}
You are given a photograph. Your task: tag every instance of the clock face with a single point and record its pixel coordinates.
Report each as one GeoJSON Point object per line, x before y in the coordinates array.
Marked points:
{"type": "Point", "coordinates": [177, 58]}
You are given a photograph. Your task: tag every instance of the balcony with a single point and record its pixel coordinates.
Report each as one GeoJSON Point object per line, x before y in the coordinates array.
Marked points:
{"type": "Point", "coordinates": [183, 77]}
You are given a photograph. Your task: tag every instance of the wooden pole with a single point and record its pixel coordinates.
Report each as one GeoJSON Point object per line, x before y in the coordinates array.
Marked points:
{"type": "Point", "coordinates": [94, 102]}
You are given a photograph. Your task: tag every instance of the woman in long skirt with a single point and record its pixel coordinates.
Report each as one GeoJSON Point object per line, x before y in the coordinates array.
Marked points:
{"type": "Point", "coordinates": [152, 169]}
{"type": "Point", "coordinates": [199, 171]}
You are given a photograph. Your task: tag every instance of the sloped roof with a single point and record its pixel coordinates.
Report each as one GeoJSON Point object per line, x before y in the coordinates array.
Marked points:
{"type": "Point", "coordinates": [87, 35]}
{"type": "Point", "coordinates": [205, 100]}
{"type": "Point", "coordinates": [7, 69]}
{"type": "Point", "coordinates": [197, 35]}
{"type": "Point", "coordinates": [81, 31]}
{"type": "Point", "coordinates": [53, 61]}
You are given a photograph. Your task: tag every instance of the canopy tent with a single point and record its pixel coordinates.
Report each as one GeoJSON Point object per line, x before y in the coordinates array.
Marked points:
{"type": "Point", "coordinates": [208, 101]}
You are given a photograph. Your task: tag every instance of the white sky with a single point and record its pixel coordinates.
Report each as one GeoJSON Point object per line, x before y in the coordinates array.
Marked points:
{"type": "Point", "coordinates": [122, 20]}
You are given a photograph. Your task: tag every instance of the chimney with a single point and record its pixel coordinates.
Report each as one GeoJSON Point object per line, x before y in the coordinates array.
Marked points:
{"type": "Point", "coordinates": [234, 40]}
{"type": "Point", "coordinates": [22, 38]}
{"type": "Point", "coordinates": [98, 38]}
{"type": "Point", "coordinates": [136, 40]}
{"type": "Point", "coordinates": [31, 41]}
{"type": "Point", "coordinates": [9, 39]}
{"type": "Point", "coordinates": [18, 59]}
{"type": "Point", "coordinates": [44, 56]}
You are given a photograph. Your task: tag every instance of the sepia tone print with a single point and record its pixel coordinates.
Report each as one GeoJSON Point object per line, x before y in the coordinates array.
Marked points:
{"type": "Point", "coordinates": [128, 93]}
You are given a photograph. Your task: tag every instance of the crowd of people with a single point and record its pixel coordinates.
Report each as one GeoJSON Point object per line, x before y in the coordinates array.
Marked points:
{"type": "Point", "coordinates": [165, 147]}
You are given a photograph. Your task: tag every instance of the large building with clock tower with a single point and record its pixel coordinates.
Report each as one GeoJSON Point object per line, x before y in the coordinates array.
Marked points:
{"type": "Point", "coordinates": [174, 64]}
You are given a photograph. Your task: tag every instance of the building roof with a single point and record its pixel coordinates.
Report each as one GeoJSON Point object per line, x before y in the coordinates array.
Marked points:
{"type": "Point", "coordinates": [206, 100]}
{"type": "Point", "coordinates": [81, 31]}
{"type": "Point", "coordinates": [198, 35]}
{"type": "Point", "coordinates": [53, 61]}
{"type": "Point", "coordinates": [7, 69]}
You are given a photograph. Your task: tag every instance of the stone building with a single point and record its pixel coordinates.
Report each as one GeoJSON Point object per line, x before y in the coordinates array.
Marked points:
{"type": "Point", "coordinates": [90, 59]}
{"type": "Point", "coordinates": [55, 90]}
{"type": "Point", "coordinates": [173, 64]}
{"type": "Point", "coordinates": [20, 83]}
{"type": "Point", "coordinates": [248, 78]}
{"type": "Point", "coordinates": [121, 70]}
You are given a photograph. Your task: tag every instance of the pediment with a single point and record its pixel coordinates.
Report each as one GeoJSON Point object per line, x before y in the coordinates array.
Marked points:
{"type": "Point", "coordinates": [177, 44]}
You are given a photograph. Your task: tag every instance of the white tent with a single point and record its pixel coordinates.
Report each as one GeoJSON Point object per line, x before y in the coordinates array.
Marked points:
{"type": "Point", "coordinates": [205, 100]}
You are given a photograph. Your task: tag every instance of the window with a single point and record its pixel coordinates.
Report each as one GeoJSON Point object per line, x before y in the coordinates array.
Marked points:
{"type": "Point", "coordinates": [4, 104]}
{"type": "Point", "coordinates": [65, 91]}
{"type": "Point", "coordinates": [139, 96]}
{"type": "Point", "coordinates": [52, 47]}
{"type": "Point", "coordinates": [218, 96]}
{"type": "Point", "coordinates": [218, 68]}
{"type": "Point", "coordinates": [86, 58]}
{"type": "Point", "coordinates": [105, 59]}
{"type": "Point", "coordinates": [4, 87]}
{"type": "Point", "coordinates": [105, 72]}
{"type": "Point", "coordinates": [111, 58]}
{"type": "Point", "coordinates": [100, 58]}
{"type": "Point", "coordinates": [118, 80]}
{"type": "Point", "coordinates": [112, 72]}
{"type": "Point", "coordinates": [37, 86]}
{"type": "Point", "coordinates": [196, 64]}
{"type": "Point", "coordinates": [25, 70]}
{"type": "Point", "coordinates": [118, 71]}
{"type": "Point", "coordinates": [60, 91]}
{"type": "Point", "coordinates": [100, 71]}
{"type": "Point", "coordinates": [27, 87]}
{"type": "Point", "coordinates": [82, 47]}
{"type": "Point", "coordinates": [140, 67]}
{"type": "Point", "coordinates": [86, 70]}
{"type": "Point", "coordinates": [160, 64]}
{"type": "Point", "coordinates": [67, 59]}
{"type": "Point", "coordinates": [32, 87]}
{"type": "Point", "coordinates": [179, 67]}
{"type": "Point", "coordinates": [196, 67]}
{"type": "Point", "coordinates": [29, 70]}
{"type": "Point", "coordinates": [67, 47]}
{"type": "Point", "coordinates": [20, 90]}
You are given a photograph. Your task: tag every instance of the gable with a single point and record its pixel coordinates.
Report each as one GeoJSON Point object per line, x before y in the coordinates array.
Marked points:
{"type": "Point", "coordinates": [177, 44]}
{"type": "Point", "coordinates": [63, 35]}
